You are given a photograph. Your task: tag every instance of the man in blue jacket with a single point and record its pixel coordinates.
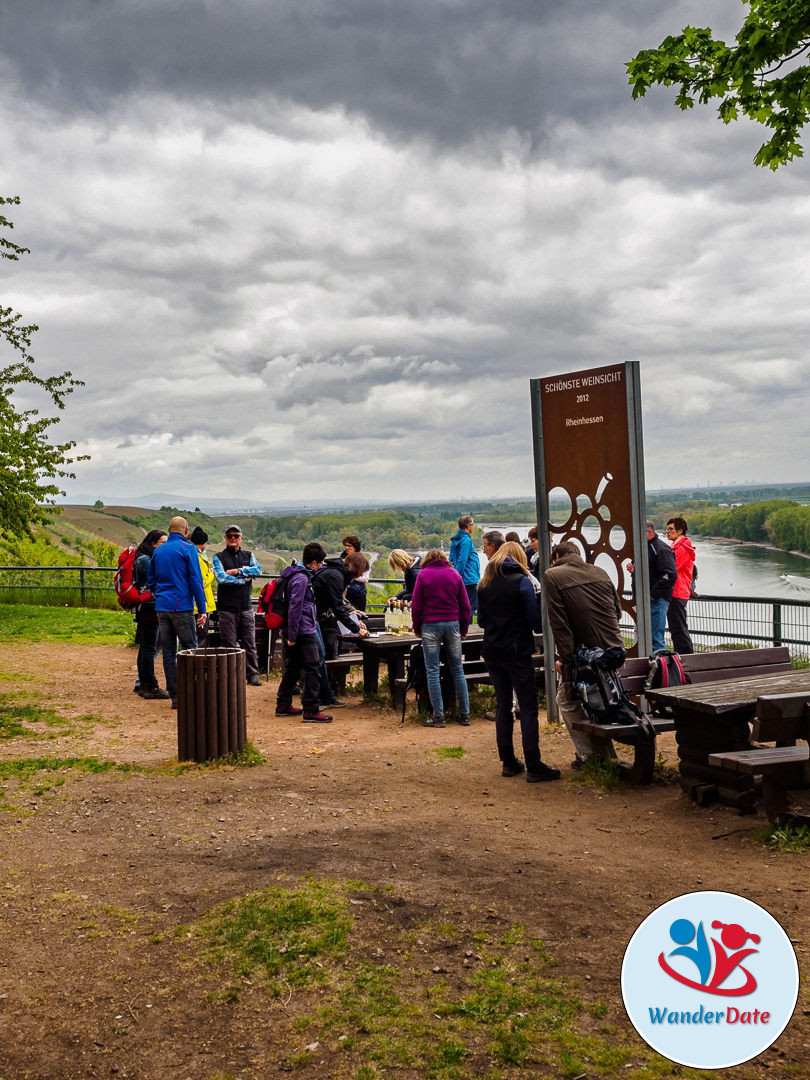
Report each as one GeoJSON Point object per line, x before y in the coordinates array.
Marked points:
{"type": "Point", "coordinates": [464, 558]}
{"type": "Point", "coordinates": [176, 583]}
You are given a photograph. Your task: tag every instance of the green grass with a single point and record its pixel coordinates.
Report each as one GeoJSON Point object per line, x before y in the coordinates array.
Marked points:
{"type": "Point", "coordinates": [376, 1001]}
{"type": "Point", "coordinates": [80, 626]}
{"type": "Point", "coordinates": [444, 752]}
{"type": "Point", "coordinates": [39, 776]}
{"type": "Point", "coordinates": [285, 935]}
{"type": "Point", "coordinates": [600, 773]}
{"type": "Point", "coordinates": [791, 837]}
{"type": "Point", "coordinates": [16, 716]}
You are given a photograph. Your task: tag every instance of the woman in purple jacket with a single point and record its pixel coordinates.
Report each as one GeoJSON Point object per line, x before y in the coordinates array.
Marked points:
{"type": "Point", "coordinates": [441, 616]}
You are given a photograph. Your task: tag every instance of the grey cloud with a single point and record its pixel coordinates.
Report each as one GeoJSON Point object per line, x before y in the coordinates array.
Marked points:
{"type": "Point", "coordinates": [449, 70]}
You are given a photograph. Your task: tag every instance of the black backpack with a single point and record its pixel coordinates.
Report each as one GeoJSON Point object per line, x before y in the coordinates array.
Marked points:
{"type": "Point", "coordinates": [417, 677]}
{"type": "Point", "coordinates": [600, 689]}
{"type": "Point", "coordinates": [280, 600]}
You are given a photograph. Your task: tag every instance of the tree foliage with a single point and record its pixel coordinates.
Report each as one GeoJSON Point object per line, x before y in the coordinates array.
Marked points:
{"type": "Point", "coordinates": [760, 76]}
{"type": "Point", "coordinates": [30, 464]}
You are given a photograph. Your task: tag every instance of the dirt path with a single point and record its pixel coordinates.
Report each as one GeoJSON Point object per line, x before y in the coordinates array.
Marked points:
{"type": "Point", "coordinates": [96, 881]}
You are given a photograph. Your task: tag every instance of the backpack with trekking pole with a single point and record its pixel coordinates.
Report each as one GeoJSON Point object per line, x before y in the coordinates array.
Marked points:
{"type": "Point", "coordinates": [600, 689]}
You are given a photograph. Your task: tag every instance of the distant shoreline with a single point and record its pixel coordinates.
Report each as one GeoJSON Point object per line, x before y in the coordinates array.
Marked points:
{"type": "Point", "coordinates": [754, 543]}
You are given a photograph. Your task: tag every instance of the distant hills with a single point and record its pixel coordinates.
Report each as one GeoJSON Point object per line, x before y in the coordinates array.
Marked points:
{"type": "Point", "coordinates": [488, 506]}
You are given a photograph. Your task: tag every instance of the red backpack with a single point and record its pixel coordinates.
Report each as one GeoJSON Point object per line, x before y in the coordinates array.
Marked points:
{"type": "Point", "coordinates": [125, 589]}
{"type": "Point", "coordinates": [265, 606]}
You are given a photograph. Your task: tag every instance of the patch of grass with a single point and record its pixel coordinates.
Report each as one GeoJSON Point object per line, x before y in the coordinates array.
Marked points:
{"type": "Point", "coordinates": [662, 770]}
{"type": "Point", "coordinates": [286, 934]}
{"type": "Point", "coordinates": [87, 626]}
{"type": "Point", "coordinates": [23, 771]}
{"type": "Point", "coordinates": [790, 837]}
{"type": "Point", "coordinates": [599, 772]}
{"type": "Point", "coordinates": [16, 713]}
{"type": "Point", "coordinates": [495, 1010]}
{"type": "Point", "coordinates": [25, 768]}
{"type": "Point", "coordinates": [444, 752]}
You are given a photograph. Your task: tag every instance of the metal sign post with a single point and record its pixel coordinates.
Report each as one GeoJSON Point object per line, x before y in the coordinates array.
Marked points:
{"type": "Point", "coordinates": [589, 483]}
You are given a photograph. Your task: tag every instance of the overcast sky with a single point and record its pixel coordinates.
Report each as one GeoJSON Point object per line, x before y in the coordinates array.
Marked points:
{"type": "Point", "coordinates": [317, 248]}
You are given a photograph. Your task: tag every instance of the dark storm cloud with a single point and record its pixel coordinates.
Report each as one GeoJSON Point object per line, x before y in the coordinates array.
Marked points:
{"type": "Point", "coordinates": [450, 70]}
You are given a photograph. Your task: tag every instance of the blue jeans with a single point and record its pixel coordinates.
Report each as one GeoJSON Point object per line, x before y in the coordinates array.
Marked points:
{"type": "Point", "coordinates": [174, 625]}
{"type": "Point", "coordinates": [326, 695]}
{"type": "Point", "coordinates": [472, 596]}
{"type": "Point", "coordinates": [434, 635]}
{"type": "Point", "coordinates": [658, 610]}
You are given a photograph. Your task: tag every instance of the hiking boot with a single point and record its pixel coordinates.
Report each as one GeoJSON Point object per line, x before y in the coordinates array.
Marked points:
{"type": "Point", "coordinates": [464, 720]}
{"type": "Point", "coordinates": [336, 704]}
{"type": "Point", "coordinates": [316, 718]}
{"type": "Point", "coordinates": [254, 680]}
{"type": "Point", "coordinates": [434, 721]}
{"type": "Point", "coordinates": [513, 768]}
{"type": "Point", "coordinates": [136, 689]}
{"type": "Point", "coordinates": [577, 763]}
{"type": "Point", "coordinates": [288, 710]}
{"type": "Point", "coordinates": [156, 694]}
{"type": "Point", "coordinates": [542, 773]}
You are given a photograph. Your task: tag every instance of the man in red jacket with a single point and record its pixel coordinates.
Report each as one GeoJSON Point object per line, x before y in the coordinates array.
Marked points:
{"type": "Point", "coordinates": [684, 566]}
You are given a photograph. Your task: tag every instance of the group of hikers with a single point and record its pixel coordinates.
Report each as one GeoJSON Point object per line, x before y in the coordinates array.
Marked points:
{"type": "Point", "coordinates": [316, 600]}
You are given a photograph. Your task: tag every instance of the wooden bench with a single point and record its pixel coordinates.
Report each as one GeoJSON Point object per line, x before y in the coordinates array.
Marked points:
{"type": "Point", "coordinates": [475, 674]}
{"type": "Point", "coordinates": [782, 720]}
{"type": "Point", "coordinates": [634, 674]}
{"type": "Point", "coordinates": [338, 668]}
{"type": "Point", "coordinates": [713, 666]}
{"type": "Point", "coordinates": [713, 716]}
{"type": "Point", "coordinates": [701, 668]}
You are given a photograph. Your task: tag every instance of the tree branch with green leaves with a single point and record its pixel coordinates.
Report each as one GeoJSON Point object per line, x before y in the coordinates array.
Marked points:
{"type": "Point", "coordinates": [761, 76]}
{"type": "Point", "coordinates": [30, 464]}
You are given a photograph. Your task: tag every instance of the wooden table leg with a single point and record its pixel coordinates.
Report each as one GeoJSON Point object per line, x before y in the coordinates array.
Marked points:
{"type": "Point", "coordinates": [371, 672]}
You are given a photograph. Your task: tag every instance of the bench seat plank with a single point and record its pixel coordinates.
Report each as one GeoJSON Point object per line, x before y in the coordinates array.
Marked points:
{"type": "Point", "coordinates": [765, 759]}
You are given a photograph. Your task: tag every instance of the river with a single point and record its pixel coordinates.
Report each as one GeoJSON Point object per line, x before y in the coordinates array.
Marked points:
{"type": "Point", "coordinates": [728, 568]}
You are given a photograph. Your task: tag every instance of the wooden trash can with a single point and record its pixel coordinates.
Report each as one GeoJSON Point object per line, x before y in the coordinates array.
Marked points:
{"type": "Point", "coordinates": [211, 715]}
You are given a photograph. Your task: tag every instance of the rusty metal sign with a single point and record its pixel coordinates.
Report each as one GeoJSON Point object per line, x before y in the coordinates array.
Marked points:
{"type": "Point", "coordinates": [589, 474]}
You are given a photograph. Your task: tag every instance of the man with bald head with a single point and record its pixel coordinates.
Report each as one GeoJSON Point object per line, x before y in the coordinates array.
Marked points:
{"type": "Point", "coordinates": [176, 583]}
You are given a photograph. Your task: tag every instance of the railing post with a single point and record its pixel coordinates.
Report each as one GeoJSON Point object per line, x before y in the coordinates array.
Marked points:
{"type": "Point", "coordinates": [81, 585]}
{"type": "Point", "coordinates": [777, 624]}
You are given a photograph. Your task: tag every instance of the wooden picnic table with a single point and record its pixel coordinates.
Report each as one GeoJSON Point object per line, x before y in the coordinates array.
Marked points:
{"type": "Point", "coordinates": [736, 696]}
{"type": "Point", "coordinates": [713, 718]}
{"type": "Point", "coordinates": [392, 650]}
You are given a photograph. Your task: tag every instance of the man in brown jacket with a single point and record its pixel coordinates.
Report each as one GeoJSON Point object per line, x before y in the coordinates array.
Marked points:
{"type": "Point", "coordinates": [583, 610]}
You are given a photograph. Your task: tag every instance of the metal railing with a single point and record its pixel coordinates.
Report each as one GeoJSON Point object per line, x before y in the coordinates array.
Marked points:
{"type": "Point", "coordinates": [714, 621]}
{"type": "Point", "coordinates": [92, 582]}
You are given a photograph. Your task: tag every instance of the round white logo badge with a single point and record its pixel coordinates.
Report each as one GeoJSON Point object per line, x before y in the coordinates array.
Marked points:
{"type": "Point", "coordinates": [710, 980]}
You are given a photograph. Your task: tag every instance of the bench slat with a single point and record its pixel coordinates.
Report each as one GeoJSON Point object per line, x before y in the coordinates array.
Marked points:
{"type": "Point", "coordinates": [761, 761]}
{"type": "Point", "coordinates": [723, 659]}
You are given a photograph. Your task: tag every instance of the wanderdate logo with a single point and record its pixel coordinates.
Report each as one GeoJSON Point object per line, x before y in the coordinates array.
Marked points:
{"type": "Point", "coordinates": [710, 980]}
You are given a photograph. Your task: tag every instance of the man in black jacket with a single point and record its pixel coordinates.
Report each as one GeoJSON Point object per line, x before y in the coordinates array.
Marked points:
{"type": "Point", "coordinates": [661, 561]}
{"type": "Point", "coordinates": [234, 569]}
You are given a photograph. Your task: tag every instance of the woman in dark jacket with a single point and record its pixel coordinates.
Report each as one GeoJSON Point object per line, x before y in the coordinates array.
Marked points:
{"type": "Point", "coordinates": [146, 628]}
{"type": "Point", "coordinates": [509, 613]}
